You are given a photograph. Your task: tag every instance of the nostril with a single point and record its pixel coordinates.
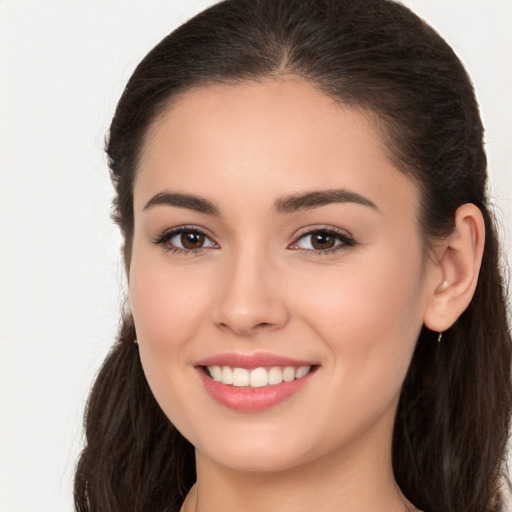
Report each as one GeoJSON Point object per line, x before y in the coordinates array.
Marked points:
{"type": "Point", "coordinates": [238, 314]}
{"type": "Point", "coordinates": [261, 325]}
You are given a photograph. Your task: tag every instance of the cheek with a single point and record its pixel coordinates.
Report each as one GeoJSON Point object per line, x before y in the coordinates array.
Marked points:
{"type": "Point", "coordinates": [370, 318]}
{"type": "Point", "coordinates": [166, 304]}
{"type": "Point", "coordinates": [167, 308]}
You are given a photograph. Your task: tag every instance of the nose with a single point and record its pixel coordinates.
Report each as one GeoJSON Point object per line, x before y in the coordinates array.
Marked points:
{"type": "Point", "coordinates": [251, 298]}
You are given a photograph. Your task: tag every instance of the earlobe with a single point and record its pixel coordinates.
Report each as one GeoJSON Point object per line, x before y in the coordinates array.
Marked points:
{"type": "Point", "coordinates": [457, 265]}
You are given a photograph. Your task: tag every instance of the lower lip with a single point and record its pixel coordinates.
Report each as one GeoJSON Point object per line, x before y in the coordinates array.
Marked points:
{"type": "Point", "coordinates": [252, 399]}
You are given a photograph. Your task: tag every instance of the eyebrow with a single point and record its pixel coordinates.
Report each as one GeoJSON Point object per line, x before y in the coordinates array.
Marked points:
{"type": "Point", "coordinates": [188, 201]}
{"type": "Point", "coordinates": [287, 204]}
{"type": "Point", "coordinates": [319, 198]}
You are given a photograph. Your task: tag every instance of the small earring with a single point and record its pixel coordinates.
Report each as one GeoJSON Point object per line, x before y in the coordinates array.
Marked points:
{"type": "Point", "coordinates": [439, 337]}
{"type": "Point", "coordinates": [135, 342]}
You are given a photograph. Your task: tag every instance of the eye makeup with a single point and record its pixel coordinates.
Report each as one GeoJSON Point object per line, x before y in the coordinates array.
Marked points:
{"type": "Point", "coordinates": [321, 240]}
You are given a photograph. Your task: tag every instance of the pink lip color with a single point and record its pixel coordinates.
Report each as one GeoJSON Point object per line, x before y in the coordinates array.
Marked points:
{"type": "Point", "coordinates": [251, 361]}
{"type": "Point", "coordinates": [249, 399]}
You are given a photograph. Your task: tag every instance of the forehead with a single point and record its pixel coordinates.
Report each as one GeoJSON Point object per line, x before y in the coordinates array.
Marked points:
{"type": "Point", "coordinates": [291, 108]}
{"type": "Point", "coordinates": [270, 138]}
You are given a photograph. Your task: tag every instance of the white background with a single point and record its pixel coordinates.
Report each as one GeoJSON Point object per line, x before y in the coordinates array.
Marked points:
{"type": "Point", "coordinates": [63, 66]}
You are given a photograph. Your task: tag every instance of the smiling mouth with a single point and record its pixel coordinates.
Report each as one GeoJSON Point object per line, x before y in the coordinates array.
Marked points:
{"type": "Point", "coordinates": [256, 377]}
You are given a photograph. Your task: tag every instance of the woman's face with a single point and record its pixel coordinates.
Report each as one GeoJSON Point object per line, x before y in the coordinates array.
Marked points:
{"type": "Point", "coordinates": [274, 239]}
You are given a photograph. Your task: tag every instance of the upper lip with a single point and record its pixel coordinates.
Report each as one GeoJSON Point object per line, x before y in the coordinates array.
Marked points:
{"type": "Point", "coordinates": [251, 361]}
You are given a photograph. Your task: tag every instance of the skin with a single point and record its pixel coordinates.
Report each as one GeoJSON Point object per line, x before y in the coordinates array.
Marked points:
{"type": "Point", "coordinates": [260, 286]}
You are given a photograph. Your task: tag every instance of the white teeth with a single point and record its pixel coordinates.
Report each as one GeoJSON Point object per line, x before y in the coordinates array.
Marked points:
{"type": "Point", "coordinates": [275, 375]}
{"type": "Point", "coordinates": [258, 377]}
{"type": "Point", "coordinates": [289, 374]}
{"type": "Point", "coordinates": [302, 372]}
{"type": "Point", "coordinates": [216, 372]}
{"type": "Point", "coordinates": [227, 375]}
{"type": "Point", "coordinates": [240, 377]}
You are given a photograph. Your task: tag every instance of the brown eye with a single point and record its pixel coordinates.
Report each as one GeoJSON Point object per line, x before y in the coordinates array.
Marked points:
{"type": "Point", "coordinates": [183, 240]}
{"type": "Point", "coordinates": [192, 240]}
{"type": "Point", "coordinates": [321, 240]}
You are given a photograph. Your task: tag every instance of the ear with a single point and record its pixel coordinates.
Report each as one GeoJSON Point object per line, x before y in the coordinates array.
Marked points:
{"type": "Point", "coordinates": [454, 270]}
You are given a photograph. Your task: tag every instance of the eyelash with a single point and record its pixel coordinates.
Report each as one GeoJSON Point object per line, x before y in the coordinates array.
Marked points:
{"type": "Point", "coordinates": [166, 236]}
{"type": "Point", "coordinates": [344, 239]}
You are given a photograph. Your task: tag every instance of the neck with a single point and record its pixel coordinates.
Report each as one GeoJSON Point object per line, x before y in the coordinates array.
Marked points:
{"type": "Point", "coordinates": [359, 479]}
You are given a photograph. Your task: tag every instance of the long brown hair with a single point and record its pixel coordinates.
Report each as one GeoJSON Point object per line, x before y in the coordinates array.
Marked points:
{"type": "Point", "coordinates": [452, 422]}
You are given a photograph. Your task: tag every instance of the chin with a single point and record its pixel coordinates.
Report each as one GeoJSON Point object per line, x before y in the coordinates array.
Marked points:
{"type": "Point", "coordinates": [260, 448]}
{"type": "Point", "coordinates": [255, 459]}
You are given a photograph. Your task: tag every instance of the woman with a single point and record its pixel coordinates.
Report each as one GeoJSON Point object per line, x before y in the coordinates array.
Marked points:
{"type": "Point", "coordinates": [317, 316]}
